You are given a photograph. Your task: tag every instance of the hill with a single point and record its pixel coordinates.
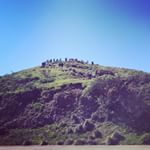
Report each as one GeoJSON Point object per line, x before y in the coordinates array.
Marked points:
{"type": "Point", "coordinates": [74, 102]}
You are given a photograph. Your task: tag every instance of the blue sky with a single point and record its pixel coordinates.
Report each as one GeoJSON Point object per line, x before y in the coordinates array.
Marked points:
{"type": "Point", "coordinates": [108, 32]}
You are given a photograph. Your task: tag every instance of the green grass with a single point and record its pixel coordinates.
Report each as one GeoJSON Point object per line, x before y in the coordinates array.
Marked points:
{"type": "Point", "coordinates": [53, 77]}
{"type": "Point", "coordinates": [54, 133]}
{"type": "Point", "coordinates": [108, 128]}
{"type": "Point", "coordinates": [18, 136]}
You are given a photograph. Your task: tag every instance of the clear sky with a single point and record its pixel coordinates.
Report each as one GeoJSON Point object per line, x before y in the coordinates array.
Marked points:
{"type": "Point", "coordinates": [108, 32]}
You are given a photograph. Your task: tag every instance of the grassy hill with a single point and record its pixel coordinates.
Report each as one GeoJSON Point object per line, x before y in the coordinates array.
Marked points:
{"type": "Point", "coordinates": [75, 102]}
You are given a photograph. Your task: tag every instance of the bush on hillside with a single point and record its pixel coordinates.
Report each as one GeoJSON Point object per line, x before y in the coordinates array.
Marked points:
{"type": "Point", "coordinates": [60, 142]}
{"type": "Point", "coordinates": [44, 143]}
{"type": "Point", "coordinates": [97, 134]}
{"type": "Point", "coordinates": [88, 126]}
{"type": "Point", "coordinates": [79, 129]}
{"type": "Point", "coordinates": [80, 142]}
{"type": "Point", "coordinates": [27, 142]}
{"type": "Point", "coordinates": [114, 139]}
{"type": "Point", "coordinates": [92, 142]}
{"type": "Point", "coordinates": [145, 139]}
{"type": "Point", "coordinates": [69, 141]}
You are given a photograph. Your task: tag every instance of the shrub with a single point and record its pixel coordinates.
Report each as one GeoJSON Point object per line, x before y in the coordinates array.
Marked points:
{"type": "Point", "coordinates": [88, 105]}
{"type": "Point", "coordinates": [111, 141]}
{"type": "Point", "coordinates": [27, 142]}
{"type": "Point", "coordinates": [91, 137]}
{"type": "Point", "coordinates": [100, 86]}
{"type": "Point", "coordinates": [96, 117]}
{"type": "Point", "coordinates": [60, 142]}
{"type": "Point", "coordinates": [97, 134]}
{"type": "Point", "coordinates": [37, 106]}
{"type": "Point", "coordinates": [92, 142]}
{"type": "Point", "coordinates": [3, 131]}
{"type": "Point", "coordinates": [69, 130]}
{"type": "Point", "coordinates": [88, 126]}
{"type": "Point", "coordinates": [80, 142]}
{"type": "Point", "coordinates": [117, 136]}
{"type": "Point", "coordinates": [65, 101]}
{"type": "Point", "coordinates": [79, 129]}
{"type": "Point", "coordinates": [44, 143]}
{"type": "Point", "coordinates": [47, 80]}
{"type": "Point", "coordinates": [62, 124]}
{"type": "Point", "coordinates": [145, 139]}
{"type": "Point", "coordinates": [75, 119]}
{"type": "Point", "coordinates": [69, 142]}
{"type": "Point", "coordinates": [114, 139]}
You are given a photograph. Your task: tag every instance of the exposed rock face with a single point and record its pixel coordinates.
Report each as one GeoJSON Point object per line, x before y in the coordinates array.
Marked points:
{"type": "Point", "coordinates": [88, 105]}
{"type": "Point", "coordinates": [13, 105]}
{"type": "Point", "coordinates": [118, 103]}
{"type": "Point", "coordinates": [112, 99]}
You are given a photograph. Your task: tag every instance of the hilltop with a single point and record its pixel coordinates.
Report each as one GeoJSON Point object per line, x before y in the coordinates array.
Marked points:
{"type": "Point", "coordinates": [75, 102]}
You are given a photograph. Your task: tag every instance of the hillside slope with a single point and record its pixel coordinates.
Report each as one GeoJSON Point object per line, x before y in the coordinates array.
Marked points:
{"type": "Point", "coordinates": [74, 102]}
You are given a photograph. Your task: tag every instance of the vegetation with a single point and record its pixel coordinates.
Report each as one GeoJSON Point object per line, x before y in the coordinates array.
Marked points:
{"type": "Point", "coordinates": [74, 102]}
